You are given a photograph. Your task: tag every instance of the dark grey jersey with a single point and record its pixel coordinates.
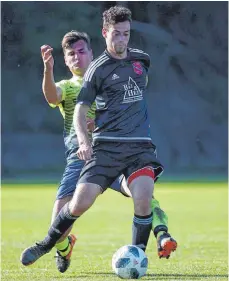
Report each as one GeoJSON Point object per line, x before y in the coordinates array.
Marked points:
{"type": "Point", "coordinates": [118, 88]}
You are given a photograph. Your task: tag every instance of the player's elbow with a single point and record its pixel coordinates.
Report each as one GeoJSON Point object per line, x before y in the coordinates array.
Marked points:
{"type": "Point", "coordinates": [51, 98]}
{"type": "Point", "coordinates": [52, 95]}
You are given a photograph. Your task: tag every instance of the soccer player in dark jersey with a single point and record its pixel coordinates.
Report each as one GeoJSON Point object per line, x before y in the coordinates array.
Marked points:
{"type": "Point", "coordinates": [122, 142]}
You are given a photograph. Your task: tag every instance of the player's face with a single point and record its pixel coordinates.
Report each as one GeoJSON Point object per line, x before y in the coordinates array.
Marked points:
{"type": "Point", "coordinates": [117, 37]}
{"type": "Point", "coordinates": [78, 57]}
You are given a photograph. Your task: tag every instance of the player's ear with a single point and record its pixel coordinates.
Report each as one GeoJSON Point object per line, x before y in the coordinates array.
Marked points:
{"type": "Point", "coordinates": [104, 32]}
{"type": "Point", "coordinates": [65, 59]}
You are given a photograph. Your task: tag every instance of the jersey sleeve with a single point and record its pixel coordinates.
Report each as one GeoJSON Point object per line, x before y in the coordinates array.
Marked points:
{"type": "Point", "coordinates": [87, 93]}
{"type": "Point", "coordinates": [141, 55]}
{"type": "Point", "coordinates": [89, 88]}
{"type": "Point", "coordinates": [146, 60]}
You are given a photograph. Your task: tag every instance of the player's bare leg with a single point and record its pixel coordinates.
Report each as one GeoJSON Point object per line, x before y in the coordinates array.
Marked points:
{"type": "Point", "coordinates": [141, 189]}
{"type": "Point", "coordinates": [165, 243]}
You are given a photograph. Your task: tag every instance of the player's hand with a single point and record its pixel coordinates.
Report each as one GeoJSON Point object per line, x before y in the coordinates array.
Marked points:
{"type": "Point", "coordinates": [46, 54]}
{"type": "Point", "coordinates": [84, 152]}
{"type": "Point", "coordinates": [90, 125]}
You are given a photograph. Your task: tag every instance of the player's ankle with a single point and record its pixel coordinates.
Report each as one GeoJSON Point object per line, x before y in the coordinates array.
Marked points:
{"type": "Point", "coordinates": [160, 233]}
{"type": "Point", "coordinates": [63, 247]}
{"type": "Point", "coordinates": [159, 230]}
{"type": "Point", "coordinates": [65, 252]}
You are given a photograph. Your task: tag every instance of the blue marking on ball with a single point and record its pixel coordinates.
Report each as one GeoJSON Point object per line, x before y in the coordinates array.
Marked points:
{"type": "Point", "coordinates": [123, 262]}
{"type": "Point", "coordinates": [134, 274]}
{"type": "Point", "coordinates": [133, 251]}
{"type": "Point", "coordinates": [144, 262]}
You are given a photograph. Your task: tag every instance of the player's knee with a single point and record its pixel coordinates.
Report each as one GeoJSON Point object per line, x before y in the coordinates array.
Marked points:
{"type": "Point", "coordinates": [141, 187]}
{"type": "Point", "coordinates": [83, 199]}
{"type": "Point", "coordinates": [142, 193]}
{"type": "Point", "coordinates": [78, 208]}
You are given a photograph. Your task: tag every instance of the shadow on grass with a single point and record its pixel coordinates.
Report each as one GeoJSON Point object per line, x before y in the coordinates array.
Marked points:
{"type": "Point", "coordinates": [156, 276]}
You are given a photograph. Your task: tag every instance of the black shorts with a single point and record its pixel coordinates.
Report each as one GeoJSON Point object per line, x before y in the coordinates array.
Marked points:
{"type": "Point", "coordinates": [111, 159]}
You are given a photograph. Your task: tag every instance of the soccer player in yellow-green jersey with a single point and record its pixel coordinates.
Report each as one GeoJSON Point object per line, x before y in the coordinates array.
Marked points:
{"type": "Point", "coordinates": [70, 90]}
{"type": "Point", "coordinates": [63, 94]}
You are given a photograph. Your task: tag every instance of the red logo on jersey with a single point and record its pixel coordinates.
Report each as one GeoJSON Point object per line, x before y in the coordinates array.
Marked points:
{"type": "Point", "coordinates": [137, 67]}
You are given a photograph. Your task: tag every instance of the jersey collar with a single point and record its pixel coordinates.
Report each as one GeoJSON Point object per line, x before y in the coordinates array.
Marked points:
{"type": "Point", "coordinates": [76, 78]}
{"type": "Point", "coordinates": [109, 55]}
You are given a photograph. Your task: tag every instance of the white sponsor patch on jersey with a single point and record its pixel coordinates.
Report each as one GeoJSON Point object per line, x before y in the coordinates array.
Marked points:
{"type": "Point", "coordinates": [132, 92]}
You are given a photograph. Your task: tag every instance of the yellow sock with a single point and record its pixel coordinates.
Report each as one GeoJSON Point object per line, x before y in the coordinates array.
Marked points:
{"type": "Point", "coordinates": [63, 247]}
{"type": "Point", "coordinates": [160, 219]}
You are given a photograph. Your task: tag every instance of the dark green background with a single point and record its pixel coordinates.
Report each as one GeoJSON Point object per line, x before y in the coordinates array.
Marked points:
{"type": "Point", "coordinates": [188, 101]}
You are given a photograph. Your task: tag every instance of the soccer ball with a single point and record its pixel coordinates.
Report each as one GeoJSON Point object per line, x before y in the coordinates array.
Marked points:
{"type": "Point", "coordinates": [130, 262]}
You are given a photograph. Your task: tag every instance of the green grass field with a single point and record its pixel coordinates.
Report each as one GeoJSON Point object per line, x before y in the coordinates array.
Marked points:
{"type": "Point", "coordinates": [197, 219]}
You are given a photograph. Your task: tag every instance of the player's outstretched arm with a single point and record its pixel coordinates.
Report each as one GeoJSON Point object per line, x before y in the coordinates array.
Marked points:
{"type": "Point", "coordinates": [52, 93]}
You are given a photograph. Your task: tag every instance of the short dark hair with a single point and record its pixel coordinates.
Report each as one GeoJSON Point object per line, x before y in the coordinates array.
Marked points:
{"type": "Point", "coordinates": [115, 15]}
{"type": "Point", "coordinates": [74, 36]}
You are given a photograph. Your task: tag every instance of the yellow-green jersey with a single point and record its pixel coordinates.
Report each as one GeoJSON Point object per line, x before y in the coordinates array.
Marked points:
{"type": "Point", "coordinates": [70, 91]}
